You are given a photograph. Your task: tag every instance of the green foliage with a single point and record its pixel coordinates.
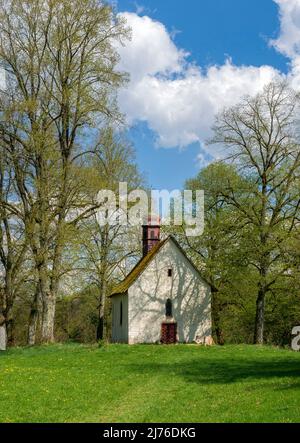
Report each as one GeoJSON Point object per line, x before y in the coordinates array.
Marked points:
{"type": "Point", "coordinates": [249, 250]}
{"type": "Point", "coordinates": [228, 255]}
{"type": "Point", "coordinates": [76, 317]}
{"type": "Point", "coordinates": [62, 78]}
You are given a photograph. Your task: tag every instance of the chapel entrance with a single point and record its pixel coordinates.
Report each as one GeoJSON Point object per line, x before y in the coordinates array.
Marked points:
{"type": "Point", "coordinates": [168, 335]}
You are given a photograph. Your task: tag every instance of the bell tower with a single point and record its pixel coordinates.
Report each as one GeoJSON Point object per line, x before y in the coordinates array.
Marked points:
{"type": "Point", "coordinates": [151, 233]}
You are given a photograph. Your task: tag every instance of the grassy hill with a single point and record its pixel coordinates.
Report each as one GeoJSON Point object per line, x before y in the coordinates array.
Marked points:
{"type": "Point", "coordinates": [70, 383]}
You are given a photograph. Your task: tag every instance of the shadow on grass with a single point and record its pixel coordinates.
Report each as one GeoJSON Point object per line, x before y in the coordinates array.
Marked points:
{"type": "Point", "coordinates": [224, 371]}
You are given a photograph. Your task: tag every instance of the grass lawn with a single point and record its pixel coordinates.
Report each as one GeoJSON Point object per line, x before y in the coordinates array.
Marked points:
{"type": "Point", "coordinates": [145, 383]}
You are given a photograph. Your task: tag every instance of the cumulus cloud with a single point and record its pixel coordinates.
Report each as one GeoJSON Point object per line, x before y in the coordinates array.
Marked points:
{"type": "Point", "coordinates": [178, 99]}
{"type": "Point", "coordinates": [150, 51]}
{"type": "Point", "coordinates": [288, 42]}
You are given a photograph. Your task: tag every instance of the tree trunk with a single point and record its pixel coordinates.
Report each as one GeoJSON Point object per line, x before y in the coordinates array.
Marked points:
{"type": "Point", "coordinates": [101, 319]}
{"type": "Point", "coordinates": [264, 266]}
{"type": "Point", "coordinates": [32, 327]}
{"type": "Point", "coordinates": [3, 338]}
{"type": "Point", "coordinates": [33, 319]}
{"type": "Point", "coordinates": [101, 324]}
{"type": "Point", "coordinates": [7, 322]}
{"type": "Point", "coordinates": [3, 333]}
{"type": "Point", "coordinates": [100, 327]}
{"type": "Point", "coordinates": [216, 318]}
{"type": "Point", "coordinates": [9, 298]}
{"type": "Point", "coordinates": [48, 304]}
{"type": "Point", "coordinates": [259, 318]}
{"type": "Point", "coordinates": [10, 331]}
{"type": "Point", "coordinates": [48, 319]}
{"type": "Point", "coordinates": [219, 335]}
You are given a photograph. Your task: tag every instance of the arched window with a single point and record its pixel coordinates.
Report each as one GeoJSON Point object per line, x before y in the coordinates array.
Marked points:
{"type": "Point", "coordinates": [121, 313]}
{"type": "Point", "coordinates": [169, 308]}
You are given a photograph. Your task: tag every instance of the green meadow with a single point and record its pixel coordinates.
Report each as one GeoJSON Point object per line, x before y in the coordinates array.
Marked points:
{"type": "Point", "coordinates": [149, 383]}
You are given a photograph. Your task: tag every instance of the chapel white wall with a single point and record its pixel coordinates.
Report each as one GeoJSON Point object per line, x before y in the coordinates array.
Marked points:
{"type": "Point", "coordinates": [147, 296]}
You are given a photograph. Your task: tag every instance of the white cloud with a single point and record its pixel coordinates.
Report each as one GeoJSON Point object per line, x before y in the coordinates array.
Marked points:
{"type": "Point", "coordinates": [288, 42]}
{"type": "Point", "coordinates": [151, 49]}
{"type": "Point", "coordinates": [182, 110]}
{"type": "Point", "coordinates": [178, 99]}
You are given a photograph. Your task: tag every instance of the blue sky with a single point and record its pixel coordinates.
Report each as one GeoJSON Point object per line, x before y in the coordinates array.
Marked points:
{"type": "Point", "coordinates": [232, 37]}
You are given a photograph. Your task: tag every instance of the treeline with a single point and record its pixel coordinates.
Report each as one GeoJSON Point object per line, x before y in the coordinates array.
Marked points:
{"type": "Point", "coordinates": [57, 149]}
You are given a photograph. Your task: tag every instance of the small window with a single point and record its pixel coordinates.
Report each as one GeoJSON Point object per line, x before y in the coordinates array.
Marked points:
{"type": "Point", "coordinates": [169, 308]}
{"type": "Point", "coordinates": [152, 235]}
{"type": "Point", "coordinates": [169, 272]}
{"type": "Point", "coordinates": [121, 313]}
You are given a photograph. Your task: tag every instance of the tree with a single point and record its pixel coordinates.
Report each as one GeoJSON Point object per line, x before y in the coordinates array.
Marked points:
{"type": "Point", "coordinates": [60, 62]}
{"type": "Point", "coordinates": [13, 249]}
{"type": "Point", "coordinates": [105, 248]}
{"type": "Point", "coordinates": [218, 252]}
{"type": "Point", "coordinates": [261, 135]}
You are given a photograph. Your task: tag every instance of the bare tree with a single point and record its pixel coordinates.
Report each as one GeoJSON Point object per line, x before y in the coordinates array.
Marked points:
{"type": "Point", "coordinates": [60, 65]}
{"type": "Point", "coordinates": [261, 134]}
{"type": "Point", "coordinates": [105, 248]}
{"type": "Point", "coordinates": [13, 249]}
